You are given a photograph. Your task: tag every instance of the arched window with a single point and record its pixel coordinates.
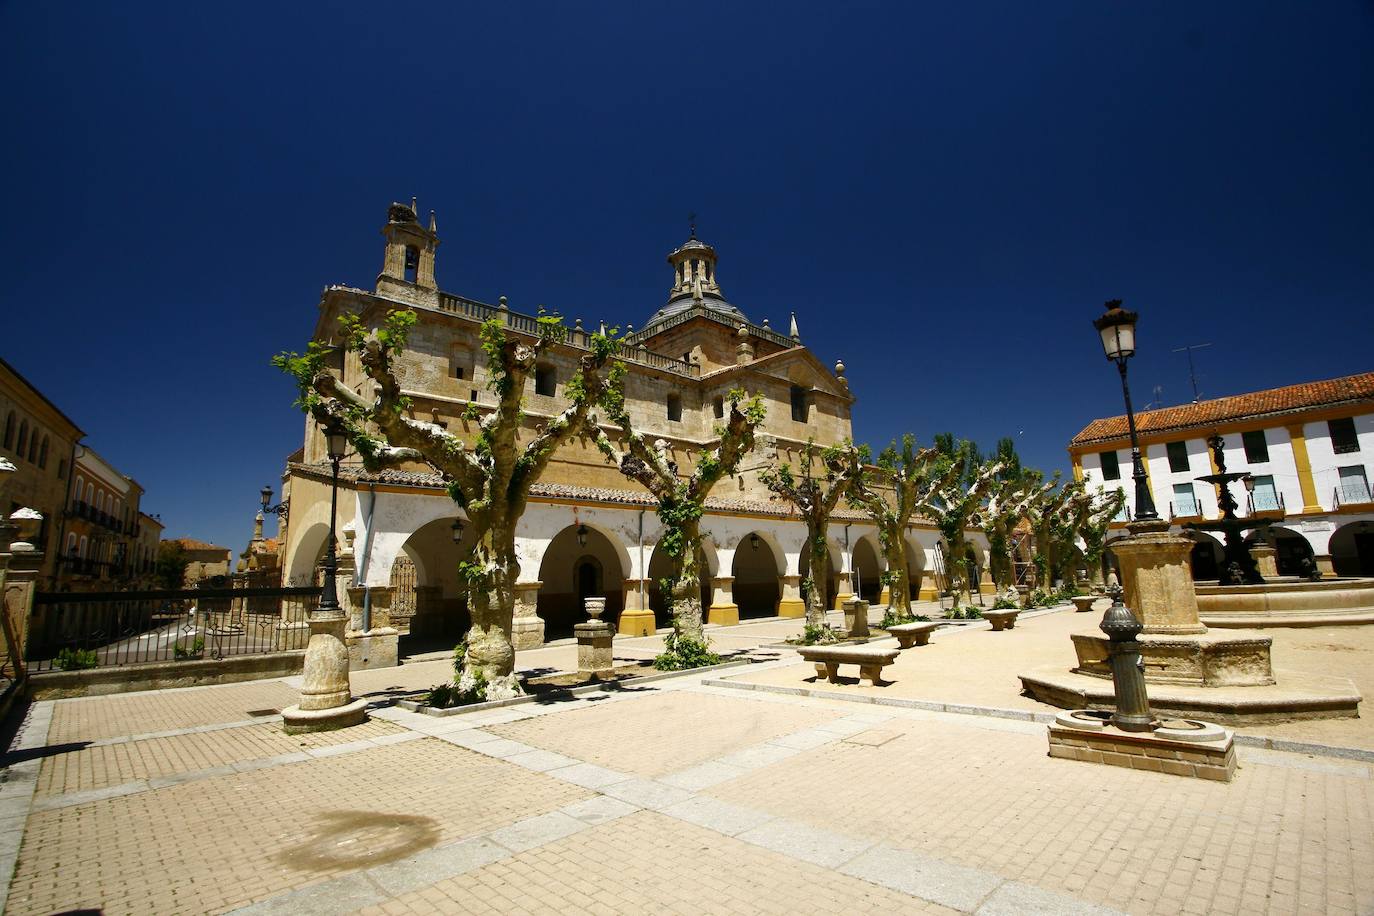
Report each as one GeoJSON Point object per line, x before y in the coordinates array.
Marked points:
{"type": "Point", "coordinates": [90, 493]}
{"type": "Point", "coordinates": [82, 550]}
{"type": "Point", "coordinates": [9, 430]}
{"type": "Point", "coordinates": [43, 454]}
{"type": "Point", "coordinates": [100, 501]}
{"type": "Point", "coordinates": [33, 447]}
{"type": "Point", "coordinates": [23, 439]}
{"type": "Point", "coordinates": [71, 544]}
{"type": "Point", "coordinates": [79, 490]}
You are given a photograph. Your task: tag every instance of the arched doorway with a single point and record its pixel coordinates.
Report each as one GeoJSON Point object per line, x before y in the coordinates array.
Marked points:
{"type": "Point", "coordinates": [1207, 556]}
{"type": "Point", "coordinates": [1352, 549]}
{"type": "Point", "coordinates": [756, 569]}
{"type": "Point", "coordinates": [662, 566]}
{"type": "Point", "coordinates": [305, 562]}
{"type": "Point", "coordinates": [1293, 554]}
{"type": "Point", "coordinates": [867, 570]}
{"type": "Point", "coordinates": [428, 600]}
{"type": "Point", "coordinates": [580, 562]}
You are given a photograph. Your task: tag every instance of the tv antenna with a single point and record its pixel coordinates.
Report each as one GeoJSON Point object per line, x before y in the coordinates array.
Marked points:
{"type": "Point", "coordinates": [1157, 400]}
{"type": "Point", "coordinates": [1192, 372]}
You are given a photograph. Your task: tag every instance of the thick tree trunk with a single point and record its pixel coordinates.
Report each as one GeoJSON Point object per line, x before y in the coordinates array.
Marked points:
{"type": "Point", "coordinates": [686, 591]}
{"type": "Point", "coordinates": [956, 568]}
{"type": "Point", "coordinates": [899, 586]}
{"type": "Point", "coordinates": [817, 577]}
{"type": "Point", "coordinates": [493, 608]}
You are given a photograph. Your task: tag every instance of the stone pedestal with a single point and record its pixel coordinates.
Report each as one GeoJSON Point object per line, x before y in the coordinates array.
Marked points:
{"type": "Point", "coordinates": [637, 619]}
{"type": "Point", "coordinates": [325, 702]}
{"type": "Point", "coordinates": [985, 584]}
{"type": "Point", "coordinates": [19, 574]}
{"type": "Point", "coordinates": [595, 656]}
{"type": "Point", "coordinates": [378, 647]}
{"type": "Point", "coordinates": [1156, 574]}
{"type": "Point", "coordinates": [527, 627]}
{"type": "Point", "coordinates": [791, 603]}
{"type": "Point", "coordinates": [1179, 747]}
{"type": "Point", "coordinates": [856, 617]}
{"type": "Point", "coordinates": [723, 610]}
{"type": "Point", "coordinates": [1324, 565]}
{"type": "Point", "coordinates": [1266, 560]}
{"type": "Point", "coordinates": [885, 597]}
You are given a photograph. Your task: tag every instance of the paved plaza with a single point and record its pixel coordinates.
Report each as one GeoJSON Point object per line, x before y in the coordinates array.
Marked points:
{"type": "Point", "coordinates": [702, 793]}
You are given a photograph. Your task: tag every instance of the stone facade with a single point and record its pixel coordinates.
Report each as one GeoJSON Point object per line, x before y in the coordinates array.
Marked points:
{"type": "Point", "coordinates": [588, 531]}
{"type": "Point", "coordinates": [40, 441]}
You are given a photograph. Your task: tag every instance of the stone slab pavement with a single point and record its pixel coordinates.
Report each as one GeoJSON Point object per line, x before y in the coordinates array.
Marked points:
{"type": "Point", "coordinates": [674, 796]}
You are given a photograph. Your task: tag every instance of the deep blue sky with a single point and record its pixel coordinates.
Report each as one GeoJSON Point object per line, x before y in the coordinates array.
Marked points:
{"type": "Point", "coordinates": [945, 194]}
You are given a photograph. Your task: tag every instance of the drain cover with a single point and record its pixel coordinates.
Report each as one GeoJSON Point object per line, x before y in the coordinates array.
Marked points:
{"type": "Point", "coordinates": [260, 713]}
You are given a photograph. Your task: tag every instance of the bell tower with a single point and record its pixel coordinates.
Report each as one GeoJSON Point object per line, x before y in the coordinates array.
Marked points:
{"type": "Point", "coordinates": [408, 267]}
{"type": "Point", "coordinates": [694, 270]}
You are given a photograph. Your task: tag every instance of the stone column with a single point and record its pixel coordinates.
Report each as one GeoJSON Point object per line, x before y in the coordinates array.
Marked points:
{"type": "Point", "coordinates": [723, 610]}
{"type": "Point", "coordinates": [527, 629]}
{"type": "Point", "coordinates": [985, 584]}
{"type": "Point", "coordinates": [378, 647]}
{"type": "Point", "coordinates": [844, 585]}
{"type": "Point", "coordinates": [637, 619]}
{"type": "Point", "coordinates": [1266, 559]}
{"type": "Point", "coordinates": [885, 597]}
{"type": "Point", "coordinates": [20, 580]}
{"type": "Point", "coordinates": [1158, 581]}
{"type": "Point", "coordinates": [791, 603]}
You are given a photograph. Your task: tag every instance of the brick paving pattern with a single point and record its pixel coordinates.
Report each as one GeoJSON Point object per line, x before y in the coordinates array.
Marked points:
{"type": "Point", "coordinates": [206, 846]}
{"type": "Point", "coordinates": [1279, 839]}
{"type": "Point", "coordinates": [663, 732]}
{"type": "Point", "coordinates": [649, 863]}
{"type": "Point", "coordinates": [112, 764]}
{"type": "Point", "coordinates": [89, 719]}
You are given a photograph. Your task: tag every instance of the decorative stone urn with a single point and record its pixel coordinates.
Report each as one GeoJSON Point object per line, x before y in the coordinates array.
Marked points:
{"type": "Point", "coordinates": [27, 521]}
{"type": "Point", "coordinates": [1083, 603]}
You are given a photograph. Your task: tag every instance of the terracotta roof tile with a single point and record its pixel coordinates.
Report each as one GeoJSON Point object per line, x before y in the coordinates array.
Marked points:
{"type": "Point", "coordinates": [193, 544]}
{"type": "Point", "coordinates": [1274, 401]}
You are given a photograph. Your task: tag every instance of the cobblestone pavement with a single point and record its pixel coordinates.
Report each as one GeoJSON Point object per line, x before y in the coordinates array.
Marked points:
{"type": "Point", "coordinates": [674, 797]}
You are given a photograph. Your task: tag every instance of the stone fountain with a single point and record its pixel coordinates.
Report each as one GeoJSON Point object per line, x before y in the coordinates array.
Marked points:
{"type": "Point", "coordinates": [1239, 566]}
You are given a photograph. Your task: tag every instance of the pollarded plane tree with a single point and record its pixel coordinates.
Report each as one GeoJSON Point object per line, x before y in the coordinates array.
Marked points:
{"type": "Point", "coordinates": [1009, 502]}
{"type": "Point", "coordinates": [491, 480]}
{"type": "Point", "coordinates": [681, 500]}
{"type": "Point", "coordinates": [1052, 526]}
{"type": "Point", "coordinates": [953, 507]}
{"type": "Point", "coordinates": [814, 498]}
{"type": "Point", "coordinates": [1091, 524]}
{"type": "Point", "coordinates": [913, 475]}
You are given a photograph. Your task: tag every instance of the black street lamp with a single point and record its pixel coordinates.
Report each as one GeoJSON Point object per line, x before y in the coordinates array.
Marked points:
{"type": "Point", "coordinates": [581, 535]}
{"type": "Point", "coordinates": [336, 442]}
{"type": "Point", "coordinates": [280, 509]}
{"type": "Point", "coordinates": [1117, 327]}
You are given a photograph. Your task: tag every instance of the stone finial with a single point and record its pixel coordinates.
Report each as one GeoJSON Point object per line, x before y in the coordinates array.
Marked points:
{"type": "Point", "coordinates": [577, 325]}
{"type": "Point", "coordinates": [602, 329]}
{"type": "Point", "coordinates": [765, 325]}
{"type": "Point", "coordinates": [257, 526]}
{"type": "Point", "coordinates": [839, 373]}
{"type": "Point", "coordinates": [27, 521]}
{"type": "Point", "coordinates": [744, 351]}
{"type": "Point", "coordinates": [501, 305]}
{"type": "Point", "coordinates": [414, 206]}
{"type": "Point", "coordinates": [792, 329]}
{"type": "Point", "coordinates": [433, 223]}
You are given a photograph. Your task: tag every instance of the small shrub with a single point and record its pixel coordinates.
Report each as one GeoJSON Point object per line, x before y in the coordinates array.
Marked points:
{"type": "Point", "coordinates": [76, 659]}
{"type": "Point", "coordinates": [964, 613]}
{"type": "Point", "coordinates": [195, 651]}
{"type": "Point", "coordinates": [460, 654]}
{"type": "Point", "coordinates": [682, 652]}
{"type": "Point", "coordinates": [468, 687]}
{"type": "Point", "coordinates": [892, 617]}
{"type": "Point", "coordinates": [1004, 604]}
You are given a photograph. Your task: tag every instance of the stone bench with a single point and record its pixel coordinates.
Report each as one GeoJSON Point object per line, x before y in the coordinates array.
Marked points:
{"type": "Point", "coordinates": [1001, 620]}
{"type": "Point", "coordinates": [913, 634]}
{"type": "Point", "coordinates": [829, 658]}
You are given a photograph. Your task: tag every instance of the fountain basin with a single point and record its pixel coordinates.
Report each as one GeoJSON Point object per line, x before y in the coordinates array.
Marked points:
{"type": "Point", "coordinates": [1300, 603]}
{"type": "Point", "coordinates": [1201, 660]}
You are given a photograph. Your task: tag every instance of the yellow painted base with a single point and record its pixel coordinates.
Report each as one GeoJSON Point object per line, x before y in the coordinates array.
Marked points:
{"type": "Point", "coordinates": [928, 593]}
{"type": "Point", "coordinates": [840, 599]}
{"type": "Point", "coordinates": [885, 597]}
{"type": "Point", "coordinates": [636, 623]}
{"type": "Point", "coordinates": [791, 607]}
{"type": "Point", "coordinates": [726, 615]}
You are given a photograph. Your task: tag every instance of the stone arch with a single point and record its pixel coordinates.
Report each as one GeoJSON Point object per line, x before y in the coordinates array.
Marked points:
{"type": "Point", "coordinates": [1292, 552]}
{"type": "Point", "coordinates": [564, 573]}
{"type": "Point", "coordinates": [757, 566]}
{"type": "Point", "coordinates": [310, 548]}
{"type": "Point", "coordinates": [1352, 549]}
{"type": "Point", "coordinates": [1208, 556]}
{"type": "Point", "coordinates": [430, 599]}
{"type": "Point", "coordinates": [866, 559]}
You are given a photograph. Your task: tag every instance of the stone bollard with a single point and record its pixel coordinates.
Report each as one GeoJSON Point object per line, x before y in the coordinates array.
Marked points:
{"type": "Point", "coordinates": [856, 617]}
{"type": "Point", "coordinates": [595, 657]}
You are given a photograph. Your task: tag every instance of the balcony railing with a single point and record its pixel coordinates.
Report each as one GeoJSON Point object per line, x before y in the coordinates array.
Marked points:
{"type": "Point", "coordinates": [1188, 510]}
{"type": "Point", "coordinates": [1350, 493]}
{"type": "Point", "coordinates": [1262, 503]}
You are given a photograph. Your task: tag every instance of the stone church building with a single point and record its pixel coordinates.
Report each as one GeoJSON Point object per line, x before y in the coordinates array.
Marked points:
{"type": "Point", "coordinates": [588, 531]}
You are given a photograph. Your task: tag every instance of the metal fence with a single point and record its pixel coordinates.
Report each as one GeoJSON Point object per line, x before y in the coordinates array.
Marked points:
{"type": "Point", "coordinates": [72, 630]}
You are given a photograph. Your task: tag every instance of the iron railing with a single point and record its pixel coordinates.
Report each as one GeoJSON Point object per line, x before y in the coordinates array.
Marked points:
{"type": "Point", "coordinates": [1346, 493]}
{"type": "Point", "coordinates": [1264, 502]}
{"type": "Point", "coordinates": [73, 630]}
